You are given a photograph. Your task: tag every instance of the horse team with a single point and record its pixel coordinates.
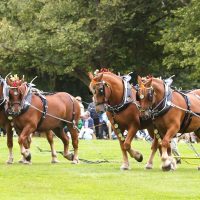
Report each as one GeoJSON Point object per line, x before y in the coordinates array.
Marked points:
{"type": "Point", "coordinates": [152, 105]}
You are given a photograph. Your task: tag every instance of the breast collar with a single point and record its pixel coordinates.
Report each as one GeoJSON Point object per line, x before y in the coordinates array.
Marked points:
{"type": "Point", "coordinates": [164, 105]}
{"type": "Point", "coordinates": [127, 97]}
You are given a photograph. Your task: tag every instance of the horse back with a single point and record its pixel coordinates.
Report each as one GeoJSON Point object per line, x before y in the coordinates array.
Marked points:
{"type": "Point", "coordinates": [63, 104]}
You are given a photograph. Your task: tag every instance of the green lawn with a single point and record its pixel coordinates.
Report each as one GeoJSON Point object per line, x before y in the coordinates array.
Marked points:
{"type": "Point", "coordinates": [45, 181]}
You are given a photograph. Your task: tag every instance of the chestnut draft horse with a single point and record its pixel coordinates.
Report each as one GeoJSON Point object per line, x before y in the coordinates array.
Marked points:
{"type": "Point", "coordinates": [34, 112]}
{"type": "Point", "coordinates": [6, 124]}
{"type": "Point", "coordinates": [172, 112]}
{"type": "Point", "coordinates": [115, 95]}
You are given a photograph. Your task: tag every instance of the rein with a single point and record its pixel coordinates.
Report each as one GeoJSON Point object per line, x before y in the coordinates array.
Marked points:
{"type": "Point", "coordinates": [81, 159]}
{"type": "Point", "coordinates": [2, 100]}
{"type": "Point", "coordinates": [183, 109]}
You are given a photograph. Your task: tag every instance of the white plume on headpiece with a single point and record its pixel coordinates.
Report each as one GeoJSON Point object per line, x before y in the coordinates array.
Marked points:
{"type": "Point", "coordinates": [14, 78]}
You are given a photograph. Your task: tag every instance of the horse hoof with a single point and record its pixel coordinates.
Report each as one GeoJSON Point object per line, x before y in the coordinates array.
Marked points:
{"type": "Point", "coordinates": [125, 167]}
{"type": "Point", "coordinates": [167, 167]}
{"type": "Point", "coordinates": [149, 166]}
{"type": "Point", "coordinates": [21, 161]}
{"type": "Point", "coordinates": [140, 159]}
{"type": "Point", "coordinates": [10, 161]}
{"type": "Point", "coordinates": [70, 156]}
{"type": "Point", "coordinates": [75, 161]}
{"type": "Point", "coordinates": [27, 162]}
{"type": "Point", "coordinates": [28, 158]}
{"type": "Point", "coordinates": [54, 161]}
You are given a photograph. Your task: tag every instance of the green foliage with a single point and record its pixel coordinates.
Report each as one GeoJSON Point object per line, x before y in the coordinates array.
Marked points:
{"type": "Point", "coordinates": [64, 39]}
{"type": "Point", "coordinates": [181, 42]}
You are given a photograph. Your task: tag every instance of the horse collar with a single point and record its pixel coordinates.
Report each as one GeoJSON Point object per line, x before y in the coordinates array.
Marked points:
{"type": "Point", "coordinates": [164, 105]}
{"type": "Point", "coordinates": [126, 99]}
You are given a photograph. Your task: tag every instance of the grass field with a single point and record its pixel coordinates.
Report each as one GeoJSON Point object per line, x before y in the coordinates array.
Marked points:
{"type": "Point", "coordinates": [45, 181]}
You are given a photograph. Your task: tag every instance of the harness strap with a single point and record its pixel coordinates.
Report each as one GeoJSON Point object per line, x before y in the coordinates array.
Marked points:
{"type": "Point", "coordinates": [2, 104]}
{"type": "Point", "coordinates": [164, 106]}
{"type": "Point", "coordinates": [188, 116]}
{"type": "Point", "coordinates": [127, 99]}
{"type": "Point", "coordinates": [45, 107]}
{"type": "Point", "coordinates": [73, 112]}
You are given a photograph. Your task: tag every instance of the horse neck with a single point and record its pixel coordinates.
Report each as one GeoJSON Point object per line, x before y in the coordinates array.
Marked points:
{"type": "Point", "coordinates": [159, 89]}
{"type": "Point", "coordinates": [116, 87]}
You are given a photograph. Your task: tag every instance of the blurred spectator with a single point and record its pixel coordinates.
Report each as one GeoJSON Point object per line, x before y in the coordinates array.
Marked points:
{"type": "Point", "coordinates": [87, 130]}
{"type": "Point", "coordinates": [188, 137]}
{"type": "Point", "coordinates": [193, 137]}
{"type": "Point", "coordinates": [143, 135]}
{"type": "Point", "coordinates": [79, 99]}
{"type": "Point", "coordinates": [80, 124]}
{"type": "Point", "coordinates": [95, 116]}
{"type": "Point", "coordinates": [105, 127]}
{"type": "Point", "coordinates": [113, 135]}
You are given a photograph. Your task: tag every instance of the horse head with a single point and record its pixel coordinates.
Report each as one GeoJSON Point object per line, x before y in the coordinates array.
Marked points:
{"type": "Point", "coordinates": [144, 95]}
{"type": "Point", "coordinates": [17, 91]}
{"type": "Point", "coordinates": [100, 90]}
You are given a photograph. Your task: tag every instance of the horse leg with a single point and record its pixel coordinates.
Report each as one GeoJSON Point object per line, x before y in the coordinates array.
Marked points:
{"type": "Point", "coordinates": [125, 164]}
{"type": "Point", "coordinates": [24, 142]}
{"type": "Point", "coordinates": [154, 147]}
{"type": "Point", "coordinates": [10, 144]}
{"type": "Point", "coordinates": [26, 146]}
{"type": "Point", "coordinates": [49, 136]}
{"type": "Point", "coordinates": [127, 145]}
{"type": "Point", "coordinates": [168, 162]}
{"type": "Point", "coordinates": [65, 140]}
{"type": "Point", "coordinates": [74, 136]}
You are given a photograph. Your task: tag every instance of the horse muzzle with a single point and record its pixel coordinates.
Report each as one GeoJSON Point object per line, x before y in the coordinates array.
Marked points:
{"type": "Point", "coordinates": [15, 109]}
{"type": "Point", "coordinates": [145, 113]}
{"type": "Point", "coordinates": [100, 108]}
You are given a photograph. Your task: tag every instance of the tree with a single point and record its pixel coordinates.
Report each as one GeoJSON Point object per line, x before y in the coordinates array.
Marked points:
{"type": "Point", "coordinates": [181, 42]}
{"type": "Point", "coordinates": [56, 38]}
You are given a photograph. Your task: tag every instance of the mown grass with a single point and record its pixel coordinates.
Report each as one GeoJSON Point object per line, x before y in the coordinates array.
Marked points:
{"type": "Point", "coordinates": [45, 181]}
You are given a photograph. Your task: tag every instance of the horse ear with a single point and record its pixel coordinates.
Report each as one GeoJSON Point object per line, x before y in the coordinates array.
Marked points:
{"type": "Point", "coordinates": [98, 77]}
{"type": "Point", "coordinates": [8, 81]}
{"type": "Point", "coordinates": [148, 83]}
{"type": "Point", "coordinates": [139, 80]}
{"type": "Point", "coordinates": [90, 75]}
{"type": "Point", "coordinates": [22, 80]}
